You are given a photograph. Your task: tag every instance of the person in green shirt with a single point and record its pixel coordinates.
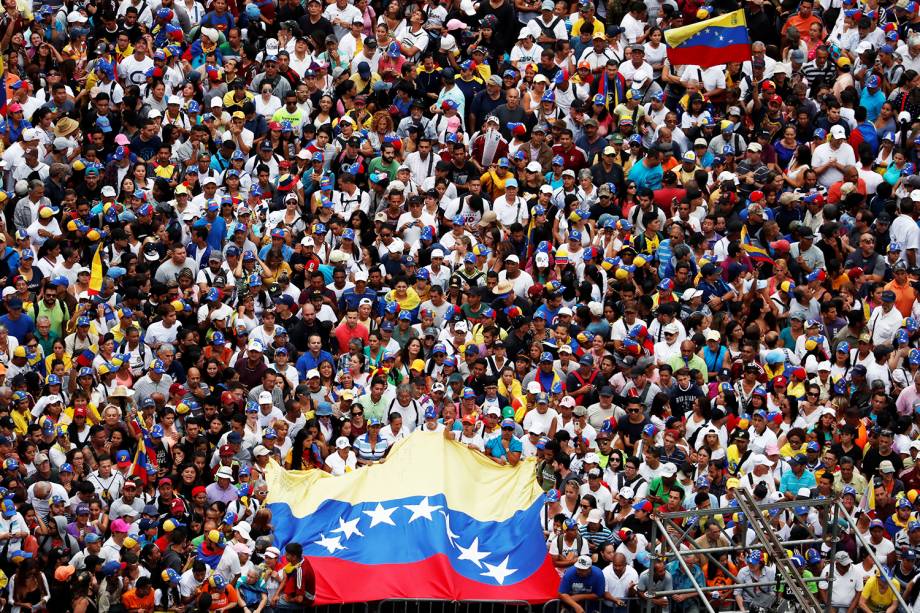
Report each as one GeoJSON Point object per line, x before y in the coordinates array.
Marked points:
{"type": "Point", "coordinates": [290, 112]}
{"type": "Point", "coordinates": [659, 488]}
{"type": "Point", "coordinates": [474, 307]}
{"type": "Point", "coordinates": [386, 163]}
{"type": "Point", "coordinates": [375, 404]}
{"type": "Point", "coordinates": [44, 334]}
{"type": "Point", "coordinates": [688, 358]}
{"type": "Point", "coordinates": [54, 308]}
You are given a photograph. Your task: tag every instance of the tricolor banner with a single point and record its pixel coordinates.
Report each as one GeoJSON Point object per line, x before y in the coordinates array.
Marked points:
{"type": "Point", "coordinates": [435, 521]}
{"type": "Point", "coordinates": [711, 42]}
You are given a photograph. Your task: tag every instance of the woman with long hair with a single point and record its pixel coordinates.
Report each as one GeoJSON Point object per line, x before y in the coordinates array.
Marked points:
{"type": "Point", "coordinates": [308, 449]}
{"type": "Point", "coordinates": [571, 498]}
{"type": "Point", "coordinates": [28, 588]}
{"type": "Point", "coordinates": [798, 166]}
{"type": "Point", "coordinates": [83, 588]}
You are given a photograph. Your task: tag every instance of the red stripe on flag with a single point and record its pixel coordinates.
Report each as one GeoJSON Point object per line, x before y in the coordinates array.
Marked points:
{"type": "Point", "coordinates": [340, 581]}
{"type": "Point", "coordinates": [709, 56]}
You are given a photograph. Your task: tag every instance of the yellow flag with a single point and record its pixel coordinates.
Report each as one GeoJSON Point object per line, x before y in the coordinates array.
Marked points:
{"type": "Point", "coordinates": [95, 272]}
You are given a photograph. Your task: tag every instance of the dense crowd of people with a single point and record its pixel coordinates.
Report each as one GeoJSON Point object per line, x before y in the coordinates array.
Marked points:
{"type": "Point", "coordinates": [244, 232]}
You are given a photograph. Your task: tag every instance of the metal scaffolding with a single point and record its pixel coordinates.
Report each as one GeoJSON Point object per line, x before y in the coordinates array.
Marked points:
{"type": "Point", "coordinates": [796, 586]}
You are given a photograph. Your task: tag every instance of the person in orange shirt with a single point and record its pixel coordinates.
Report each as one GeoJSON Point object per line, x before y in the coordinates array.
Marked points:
{"type": "Point", "coordinates": [803, 19]}
{"type": "Point", "coordinates": [903, 290]}
{"type": "Point", "coordinates": [222, 595]}
{"type": "Point", "coordinates": [140, 599]}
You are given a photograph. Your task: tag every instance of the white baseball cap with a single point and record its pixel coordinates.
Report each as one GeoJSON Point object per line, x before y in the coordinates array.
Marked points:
{"type": "Point", "coordinates": [265, 398]}
{"type": "Point", "coordinates": [836, 132]}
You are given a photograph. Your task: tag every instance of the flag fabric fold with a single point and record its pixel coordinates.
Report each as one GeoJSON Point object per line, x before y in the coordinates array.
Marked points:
{"type": "Point", "coordinates": [435, 521]}
{"type": "Point", "coordinates": [95, 273]}
{"type": "Point", "coordinates": [711, 42]}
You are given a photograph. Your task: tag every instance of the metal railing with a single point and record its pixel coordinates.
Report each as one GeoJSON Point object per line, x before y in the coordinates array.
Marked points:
{"type": "Point", "coordinates": [664, 523]}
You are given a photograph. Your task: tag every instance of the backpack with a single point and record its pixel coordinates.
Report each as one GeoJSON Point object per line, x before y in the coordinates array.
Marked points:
{"type": "Point", "coordinates": [579, 541]}
{"type": "Point", "coordinates": [548, 31]}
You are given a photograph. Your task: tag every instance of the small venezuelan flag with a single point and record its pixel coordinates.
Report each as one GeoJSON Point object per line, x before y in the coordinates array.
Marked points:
{"type": "Point", "coordinates": [711, 42]}
{"type": "Point", "coordinates": [755, 252]}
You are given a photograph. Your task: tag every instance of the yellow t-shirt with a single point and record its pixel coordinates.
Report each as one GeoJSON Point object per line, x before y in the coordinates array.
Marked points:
{"type": "Point", "coordinates": [788, 452]}
{"type": "Point", "coordinates": [874, 596]}
{"type": "Point", "coordinates": [21, 422]}
{"type": "Point", "coordinates": [598, 27]}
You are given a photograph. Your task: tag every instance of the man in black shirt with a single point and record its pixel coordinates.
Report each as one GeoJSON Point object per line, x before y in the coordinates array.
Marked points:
{"type": "Point", "coordinates": [314, 25]}
{"type": "Point", "coordinates": [462, 170]}
{"type": "Point", "coordinates": [876, 455]}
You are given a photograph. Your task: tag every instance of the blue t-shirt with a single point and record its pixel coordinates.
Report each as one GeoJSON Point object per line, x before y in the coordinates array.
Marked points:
{"type": "Point", "coordinates": [790, 483]}
{"type": "Point", "coordinates": [646, 177]}
{"type": "Point", "coordinates": [18, 328]}
{"type": "Point", "coordinates": [872, 102]}
{"type": "Point", "coordinates": [573, 584]}
{"type": "Point", "coordinates": [497, 450]}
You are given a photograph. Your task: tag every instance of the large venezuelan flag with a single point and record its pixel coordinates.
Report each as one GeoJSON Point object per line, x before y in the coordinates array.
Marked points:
{"type": "Point", "coordinates": [711, 42]}
{"type": "Point", "coordinates": [435, 521]}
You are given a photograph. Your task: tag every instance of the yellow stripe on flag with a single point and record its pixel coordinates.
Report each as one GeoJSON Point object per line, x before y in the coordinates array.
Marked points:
{"type": "Point", "coordinates": [729, 20]}
{"type": "Point", "coordinates": [95, 272]}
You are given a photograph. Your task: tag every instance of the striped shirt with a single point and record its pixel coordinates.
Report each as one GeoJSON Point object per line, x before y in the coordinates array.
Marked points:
{"type": "Point", "coordinates": [598, 538]}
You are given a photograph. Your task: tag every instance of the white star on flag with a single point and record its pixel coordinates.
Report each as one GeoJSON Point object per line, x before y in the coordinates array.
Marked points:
{"type": "Point", "coordinates": [348, 528]}
{"type": "Point", "coordinates": [499, 572]}
{"type": "Point", "coordinates": [379, 515]}
{"type": "Point", "coordinates": [422, 509]}
{"type": "Point", "coordinates": [331, 544]}
{"type": "Point", "coordinates": [473, 554]}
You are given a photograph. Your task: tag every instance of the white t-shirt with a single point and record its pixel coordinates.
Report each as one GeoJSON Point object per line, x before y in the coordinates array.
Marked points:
{"type": "Point", "coordinates": [539, 422]}
{"type": "Point", "coordinates": [846, 585]}
{"type": "Point", "coordinates": [633, 28]}
{"type": "Point", "coordinates": [340, 466]}
{"type": "Point", "coordinates": [618, 587]}
{"type": "Point", "coordinates": [567, 548]}
{"type": "Point", "coordinates": [882, 549]}
{"type": "Point", "coordinates": [134, 70]}
{"type": "Point", "coordinates": [603, 496]}
{"type": "Point", "coordinates": [823, 154]}
{"type": "Point", "coordinates": [641, 545]}
{"type": "Point", "coordinates": [475, 440]}
{"type": "Point", "coordinates": [904, 230]}
{"type": "Point", "coordinates": [229, 565]}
